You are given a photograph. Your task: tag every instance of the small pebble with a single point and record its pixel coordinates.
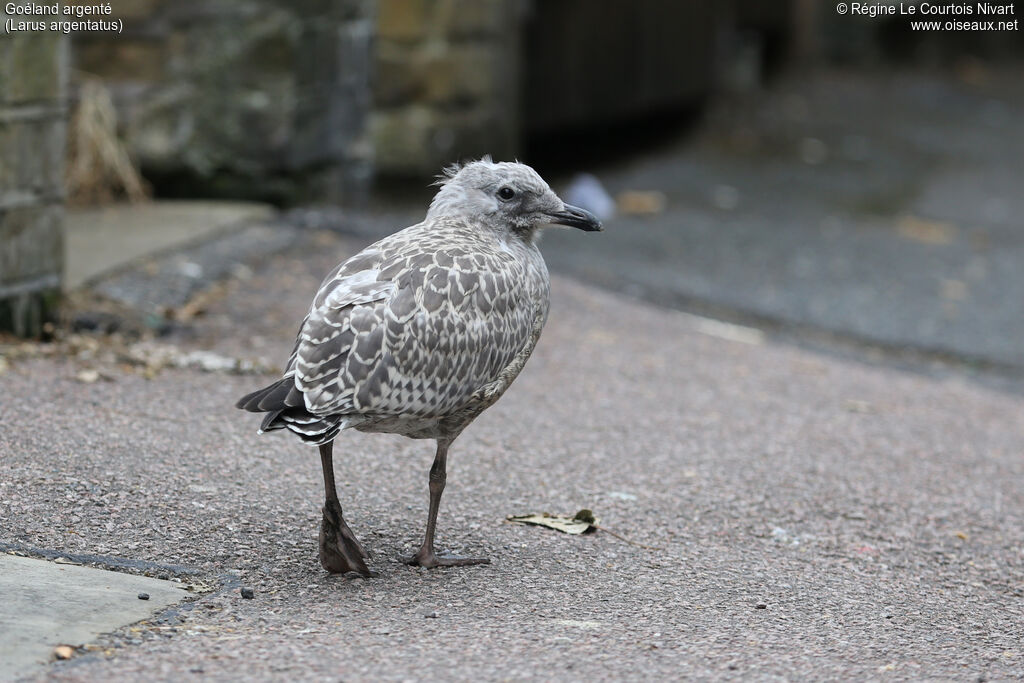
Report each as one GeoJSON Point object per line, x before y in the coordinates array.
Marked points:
{"type": "Point", "coordinates": [143, 596]}
{"type": "Point", "coordinates": [761, 605]}
{"type": "Point", "coordinates": [430, 615]}
{"type": "Point", "coordinates": [248, 593]}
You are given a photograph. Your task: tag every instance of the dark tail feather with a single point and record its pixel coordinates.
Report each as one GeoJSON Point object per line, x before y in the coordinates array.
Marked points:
{"type": "Point", "coordinates": [310, 428]}
{"type": "Point", "coordinates": [285, 409]}
{"type": "Point", "coordinates": [271, 421]}
{"type": "Point", "coordinates": [278, 396]}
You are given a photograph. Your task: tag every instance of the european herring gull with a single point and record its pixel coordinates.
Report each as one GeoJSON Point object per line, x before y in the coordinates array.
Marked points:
{"type": "Point", "coordinates": [421, 332]}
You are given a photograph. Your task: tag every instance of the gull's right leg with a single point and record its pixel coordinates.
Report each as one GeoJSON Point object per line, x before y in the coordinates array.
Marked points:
{"type": "Point", "coordinates": [340, 552]}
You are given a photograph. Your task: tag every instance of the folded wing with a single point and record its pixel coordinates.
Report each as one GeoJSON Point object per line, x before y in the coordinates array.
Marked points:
{"type": "Point", "coordinates": [415, 336]}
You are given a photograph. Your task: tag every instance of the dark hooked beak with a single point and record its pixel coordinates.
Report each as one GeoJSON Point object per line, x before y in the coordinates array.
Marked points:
{"type": "Point", "coordinates": [577, 218]}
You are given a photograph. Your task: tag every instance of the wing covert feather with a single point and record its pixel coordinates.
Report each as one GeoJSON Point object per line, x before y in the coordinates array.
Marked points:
{"type": "Point", "coordinates": [414, 334]}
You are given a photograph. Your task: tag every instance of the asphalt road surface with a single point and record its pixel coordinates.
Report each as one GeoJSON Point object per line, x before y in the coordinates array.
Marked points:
{"type": "Point", "coordinates": [882, 207]}
{"type": "Point", "coordinates": [792, 515]}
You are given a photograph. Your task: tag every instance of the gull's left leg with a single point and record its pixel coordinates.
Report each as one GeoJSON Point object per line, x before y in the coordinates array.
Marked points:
{"type": "Point", "coordinates": [426, 557]}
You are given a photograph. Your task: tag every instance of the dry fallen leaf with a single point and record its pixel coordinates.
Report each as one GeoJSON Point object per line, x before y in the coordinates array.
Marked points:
{"type": "Point", "coordinates": [917, 229]}
{"type": "Point", "coordinates": [90, 375]}
{"type": "Point", "coordinates": [63, 652]}
{"type": "Point", "coordinates": [641, 203]}
{"type": "Point", "coordinates": [583, 522]}
{"type": "Point", "coordinates": [198, 587]}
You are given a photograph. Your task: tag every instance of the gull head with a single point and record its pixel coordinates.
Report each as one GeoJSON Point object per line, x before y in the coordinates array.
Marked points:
{"type": "Point", "coordinates": [505, 196]}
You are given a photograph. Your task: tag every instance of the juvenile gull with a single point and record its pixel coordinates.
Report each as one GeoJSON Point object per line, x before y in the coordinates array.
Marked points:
{"type": "Point", "coordinates": [421, 332]}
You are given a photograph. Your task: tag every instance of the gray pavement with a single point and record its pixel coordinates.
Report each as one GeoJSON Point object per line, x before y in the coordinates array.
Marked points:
{"type": "Point", "coordinates": [104, 239]}
{"type": "Point", "coordinates": [135, 267]}
{"type": "Point", "coordinates": [884, 207]}
{"type": "Point", "coordinates": [47, 604]}
{"type": "Point", "coordinates": [806, 516]}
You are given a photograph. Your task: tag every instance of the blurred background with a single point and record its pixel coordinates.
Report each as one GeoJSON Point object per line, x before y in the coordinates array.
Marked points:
{"type": "Point", "coordinates": [841, 179]}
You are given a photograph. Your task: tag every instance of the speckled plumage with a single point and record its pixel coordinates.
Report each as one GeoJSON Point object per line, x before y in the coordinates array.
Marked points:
{"type": "Point", "coordinates": [420, 332]}
{"type": "Point", "coordinates": [416, 328]}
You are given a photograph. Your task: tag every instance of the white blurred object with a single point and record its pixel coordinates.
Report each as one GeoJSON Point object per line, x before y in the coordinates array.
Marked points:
{"type": "Point", "coordinates": [587, 192]}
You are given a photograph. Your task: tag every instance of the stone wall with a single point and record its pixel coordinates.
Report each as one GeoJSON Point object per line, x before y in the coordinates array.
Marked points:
{"type": "Point", "coordinates": [446, 85]}
{"type": "Point", "coordinates": [33, 74]}
{"type": "Point", "coordinates": [246, 98]}
{"type": "Point", "coordinates": [461, 78]}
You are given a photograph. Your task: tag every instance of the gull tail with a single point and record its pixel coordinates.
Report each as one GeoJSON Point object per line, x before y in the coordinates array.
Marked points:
{"type": "Point", "coordinates": [285, 409]}
{"type": "Point", "coordinates": [281, 394]}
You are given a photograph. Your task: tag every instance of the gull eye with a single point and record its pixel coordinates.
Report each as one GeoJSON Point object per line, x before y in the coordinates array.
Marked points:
{"type": "Point", "coordinates": [506, 193]}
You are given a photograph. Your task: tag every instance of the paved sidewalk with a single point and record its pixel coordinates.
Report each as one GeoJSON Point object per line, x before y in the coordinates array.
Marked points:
{"type": "Point", "coordinates": [104, 239]}
{"type": "Point", "coordinates": [883, 208]}
{"type": "Point", "coordinates": [47, 604]}
{"type": "Point", "coordinates": [812, 517]}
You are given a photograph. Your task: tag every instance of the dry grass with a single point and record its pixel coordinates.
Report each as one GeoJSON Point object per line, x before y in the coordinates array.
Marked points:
{"type": "Point", "coordinates": [99, 169]}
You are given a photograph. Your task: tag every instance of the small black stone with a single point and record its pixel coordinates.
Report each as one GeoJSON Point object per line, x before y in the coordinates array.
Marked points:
{"type": "Point", "coordinates": [248, 593]}
{"type": "Point", "coordinates": [96, 321]}
{"type": "Point", "coordinates": [143, 596]}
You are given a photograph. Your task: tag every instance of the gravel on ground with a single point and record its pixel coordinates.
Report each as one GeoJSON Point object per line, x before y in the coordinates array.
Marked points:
{"type": "Point", "coordinates": [805, 516]}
